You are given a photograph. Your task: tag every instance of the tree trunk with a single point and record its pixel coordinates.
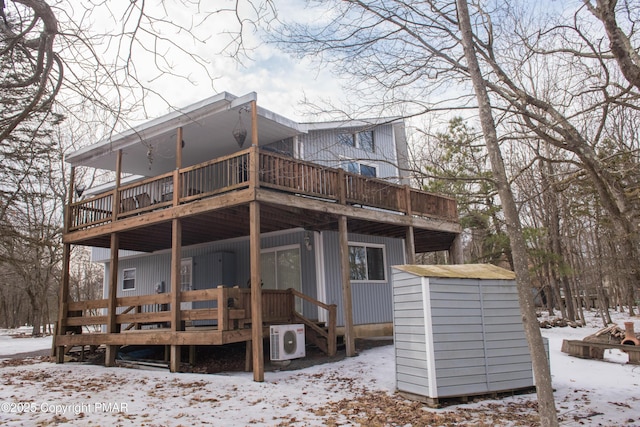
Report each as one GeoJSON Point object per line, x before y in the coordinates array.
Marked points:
{"type": "Point", "coordinates": [546, 403]}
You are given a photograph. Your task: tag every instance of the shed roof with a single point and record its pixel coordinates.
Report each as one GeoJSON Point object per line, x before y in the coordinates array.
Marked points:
{"type": "Point", "coordinates": [459, 271]}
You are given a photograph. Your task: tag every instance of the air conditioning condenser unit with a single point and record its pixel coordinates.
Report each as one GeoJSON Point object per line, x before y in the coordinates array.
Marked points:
{"type": "Point", "coordinates": [287, 341]}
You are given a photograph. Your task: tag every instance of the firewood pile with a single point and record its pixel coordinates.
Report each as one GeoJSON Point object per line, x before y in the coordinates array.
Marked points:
{"type": "Point", "coordinates": [610, 334]}
{"type": "Point", "coordinates": [558, 323]}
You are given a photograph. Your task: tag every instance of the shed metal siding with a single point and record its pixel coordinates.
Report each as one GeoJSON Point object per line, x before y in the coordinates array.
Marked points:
{"type": "Point", "coordinates": [478, 336]}
{"type": "Point", "coordinates": [412, 370]}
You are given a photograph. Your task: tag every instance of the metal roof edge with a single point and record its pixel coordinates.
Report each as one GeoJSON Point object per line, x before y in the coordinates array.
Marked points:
{"type": "Point", "coordinates": [353, 123]}
{"type": "Point", "coordinates": [155, 126]}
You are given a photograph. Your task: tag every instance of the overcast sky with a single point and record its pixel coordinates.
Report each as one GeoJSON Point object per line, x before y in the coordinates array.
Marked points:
{"type": "Point", "coordinates": [280, 81]}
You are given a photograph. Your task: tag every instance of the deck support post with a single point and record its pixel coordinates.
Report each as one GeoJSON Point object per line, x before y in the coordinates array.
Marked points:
{"type": "Point", "coordinates": [176, 259]}
{"type": "Point", "coordinates": [63, 298]}
{"type": "Point", "coordinates": [410, 246]}
{"type": "Point", "coordinates": [112, 327]}
{"type": "Point", "coordinates": [347, 305]}
{"type": "Point", "coordinates": [409, 241]}
{"type": "Point", "coordinates": [455, 250]}
{"type": "Point", "coordinates": [256, 292]}
{"type": "Point", "coordinates": [176, 321]}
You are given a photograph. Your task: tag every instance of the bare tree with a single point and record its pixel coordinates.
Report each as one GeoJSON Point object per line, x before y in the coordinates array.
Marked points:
{"type": "Point", "coordinates": [542, 371]}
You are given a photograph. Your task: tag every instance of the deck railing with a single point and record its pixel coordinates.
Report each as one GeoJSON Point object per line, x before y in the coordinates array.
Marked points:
{"type": "Point", "coordinates": [154, 311]}
{"type": "Point", "coordinates": [231, 310]}
{"type": "Point", "coordinates": [275, 171]}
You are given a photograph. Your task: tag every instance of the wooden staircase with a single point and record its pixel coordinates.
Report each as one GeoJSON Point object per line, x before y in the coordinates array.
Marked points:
{"type": "Point", "coordinates": [322, 335]}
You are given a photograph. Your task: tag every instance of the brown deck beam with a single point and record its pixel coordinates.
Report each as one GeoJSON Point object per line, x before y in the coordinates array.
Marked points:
{"type": "Point", "coordinates": [158, 337]}
{"type": "Point", "coordinates": [279, 198]}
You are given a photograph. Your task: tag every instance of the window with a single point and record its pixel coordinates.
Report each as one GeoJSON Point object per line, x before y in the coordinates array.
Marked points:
{"type": "Point", "coordinates": [368, 170]}
{"type": "Point", "coordinates": [347, 139]}
{"type": "Point", "coordinates": [365, 141]}
{"type": "Point", "coordinates": [364, 169]}
{"type": "Point", "coordinates": [129, 279]}
{"type": "Point", "coordinates": [366, 263]}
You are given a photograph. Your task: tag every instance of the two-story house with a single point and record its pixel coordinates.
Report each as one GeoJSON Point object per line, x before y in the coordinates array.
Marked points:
{"type": "Point", "coordinates": [225, 217]}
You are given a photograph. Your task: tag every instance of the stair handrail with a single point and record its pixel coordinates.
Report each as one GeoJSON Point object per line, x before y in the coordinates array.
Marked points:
{"type": "Point", "coordinates": [330, 334]}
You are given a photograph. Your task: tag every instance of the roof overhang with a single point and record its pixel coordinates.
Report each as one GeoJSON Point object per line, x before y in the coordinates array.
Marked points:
{"type": "Point", "coordinates": [207, 126]}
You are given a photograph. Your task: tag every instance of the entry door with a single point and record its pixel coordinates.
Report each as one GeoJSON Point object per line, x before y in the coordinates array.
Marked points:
{"type": "Point", "coordinates": [186, 280]}
{"type": "Point", "coordinates": [280, 269]}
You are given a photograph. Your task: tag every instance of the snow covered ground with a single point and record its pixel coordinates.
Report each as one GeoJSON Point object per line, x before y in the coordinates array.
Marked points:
{"type": "Point", "coordinates": [355, 391]}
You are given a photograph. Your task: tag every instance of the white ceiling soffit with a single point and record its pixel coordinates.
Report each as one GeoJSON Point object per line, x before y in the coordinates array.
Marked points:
{"type": "Point", "coordinates": [149, 149]}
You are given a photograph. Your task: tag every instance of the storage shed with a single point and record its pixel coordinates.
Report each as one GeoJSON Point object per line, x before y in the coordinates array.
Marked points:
{"type": "Point", "coordinates": [458, 332]}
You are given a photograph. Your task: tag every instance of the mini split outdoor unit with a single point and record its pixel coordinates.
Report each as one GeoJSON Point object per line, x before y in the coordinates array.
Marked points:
{"type": "Point", "coordinates": [287, 342]}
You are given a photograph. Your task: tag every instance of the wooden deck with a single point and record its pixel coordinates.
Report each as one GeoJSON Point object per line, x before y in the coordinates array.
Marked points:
{"type": "Point", "coordinates": [146, 320]}
{"type": "Point", "coordinates": [299, 193]}
{"type": "Point", "coordinates": [249, 193]}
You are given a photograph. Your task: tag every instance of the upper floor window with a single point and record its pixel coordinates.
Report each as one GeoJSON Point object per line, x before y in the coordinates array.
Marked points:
{"type": "Point", "coordinates": [347, 139]}
{"type": "Point", "coordinates": [129, 279]}
{"type": "Point", "coordinates": [363, 140]}
{"type": "Point", "coordinates": [366, 262]}
{"type": "Point", "coordinates": [364, 169]}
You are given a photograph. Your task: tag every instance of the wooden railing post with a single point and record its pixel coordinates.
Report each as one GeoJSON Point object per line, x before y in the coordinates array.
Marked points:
{"type": "Point", "coordinates": [115, 203]}
{"type": "Point", "coordinates": [342, 187]}
{"type": "Point", "coordinates": [333, 323]}
{"type": "Point", "coordinates": [223, 309]}
{"type": "Point", "coordinates": [177, 187]}
{"type": "Point", "coordinates": [292, 304]}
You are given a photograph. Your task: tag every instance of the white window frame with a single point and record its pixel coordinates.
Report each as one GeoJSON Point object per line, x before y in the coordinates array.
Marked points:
{"type": "Point", "coordinates": [346, 160]}
{"type": "Point", "coordinates": [124, 273]}
{"type": "Point", "coordinates": [384, 261]}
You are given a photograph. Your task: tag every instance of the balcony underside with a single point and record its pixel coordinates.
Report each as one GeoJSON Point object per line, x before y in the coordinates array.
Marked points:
{"type": "Point", "coordinates": [227, 216]}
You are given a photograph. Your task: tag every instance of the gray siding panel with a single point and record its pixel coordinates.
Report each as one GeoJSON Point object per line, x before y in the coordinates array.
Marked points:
{"type": "Point", "coordinates": [421, 390]}
{"type": "Point", "coordinates": [412, 368]}
{"type": "Point", "coordinates": [372, 302]}
{"type": "Point", "coordinates": [156, 267]}
{"type": "Point", "coordinates": [322, 147]}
